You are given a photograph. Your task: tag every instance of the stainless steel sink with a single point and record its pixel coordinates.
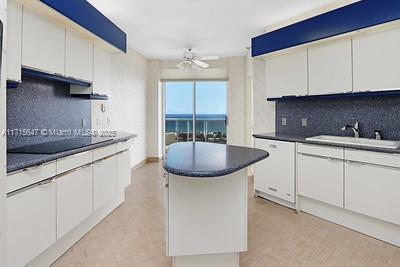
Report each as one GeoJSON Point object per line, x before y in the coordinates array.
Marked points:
{"type": "Point", "coordinates": [355, 141]}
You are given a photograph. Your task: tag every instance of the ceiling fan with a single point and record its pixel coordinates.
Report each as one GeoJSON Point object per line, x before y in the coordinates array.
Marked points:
{"type": "Point", "coordinates": [192, 61]}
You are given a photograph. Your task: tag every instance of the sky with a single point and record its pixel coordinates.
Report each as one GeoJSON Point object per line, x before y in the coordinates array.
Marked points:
{"type": "Point", "coordinates": [210, 97]}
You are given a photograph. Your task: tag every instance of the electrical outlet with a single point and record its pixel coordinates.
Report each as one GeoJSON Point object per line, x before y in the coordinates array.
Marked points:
{"type": "Point", "coordinates": [304, 122]}
{"type": "Point", "coordinates": [284, 122]}
{"type": "Point", "coordinates": [103, 107]}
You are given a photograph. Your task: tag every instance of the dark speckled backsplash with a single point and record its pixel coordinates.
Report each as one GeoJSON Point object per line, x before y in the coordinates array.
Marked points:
{"type": "Point", "coordinates": [329, 116]}
{"type": "Point", "coordinates": [43, 104]}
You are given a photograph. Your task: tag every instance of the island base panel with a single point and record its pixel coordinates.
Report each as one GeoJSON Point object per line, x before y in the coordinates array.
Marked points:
{"type": "Point", "coordinates": [207, 215]}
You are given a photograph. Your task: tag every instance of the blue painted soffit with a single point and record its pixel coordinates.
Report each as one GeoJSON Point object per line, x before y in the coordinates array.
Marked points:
{"type": "Point", "coordinates": [346, 19]}
{"type": "Point", "coordinates": [83, 13]}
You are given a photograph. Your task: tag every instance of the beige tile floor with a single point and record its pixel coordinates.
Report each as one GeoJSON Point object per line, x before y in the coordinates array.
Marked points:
{"type": "Point", "coordinates": [133, 235]}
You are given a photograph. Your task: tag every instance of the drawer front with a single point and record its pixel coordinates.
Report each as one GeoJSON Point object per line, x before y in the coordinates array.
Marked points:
{"type": "Point", "coordinates": [320, 178]}
{"type": "Point", "coordinates": [373, 190]}
{"type": "Point", "coordinates": [73, 161]}
{"type": "Point", "coordinates": [104, 181]}
{"type": "Point", "coordinates": [74, 198]}
{"type": "Point", "coordinates": [31, 223]}
{"type": "Point", "coordinates": [124, 145]}
{"type": "Point", "coordinates": [104, 152]}
{"type": "Point", "coordinates": [123, 170]}
{"type": "Point", "coordinates": [324, 151]}
{"type": "Point", "coordinates": [385, 159]}
{"type": "Point", "coordinates": [30, 176]}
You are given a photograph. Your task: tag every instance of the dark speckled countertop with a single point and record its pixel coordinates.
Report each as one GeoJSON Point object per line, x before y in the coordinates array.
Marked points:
{"type": "Point", "coordinates": [17, 161]}
{"type": "Point", "coordinates": [302, 139]}
{"type": "Point", "coordinates": [199, 159]}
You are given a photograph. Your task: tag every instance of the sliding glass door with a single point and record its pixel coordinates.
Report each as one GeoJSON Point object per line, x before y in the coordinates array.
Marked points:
{"type": "Point", "coordinates": [195, 107]}
{"type": "Point", "coordinates": [179, 108]}
{"type": "Point", "coordinates": [210, 111]}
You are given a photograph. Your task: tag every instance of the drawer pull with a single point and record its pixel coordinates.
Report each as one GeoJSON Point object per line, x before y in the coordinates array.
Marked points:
{"type": "Point", "coordinates": [334, 159]}
{"type": "Point", "coordinates": [319, 157]}
{"type": "Point", "coordinates": [32, 169]}
{"type": "Point", "coordinates": [355, 163]}
{"type": "Point", "coordinates": [46, 182]}
{"type": "Point", "coordinates": [79, 154]}
{"type": "Point", "coordinates": [272, 189]}
{"type": "Point", "coordinates": [273, 146]}
{"type": "Point", "coordinates": [74, 170]}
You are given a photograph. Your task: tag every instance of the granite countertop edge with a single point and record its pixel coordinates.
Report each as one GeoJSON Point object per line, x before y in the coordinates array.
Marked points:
{"type": "Point", "coordinates": [302, 139]}
{"type": "Point", "coordinates": [17, 161]}
{"type": "Point", "coordinates": [212, 173]}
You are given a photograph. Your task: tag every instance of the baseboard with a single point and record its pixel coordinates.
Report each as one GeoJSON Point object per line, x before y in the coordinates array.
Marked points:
{"type": "Point", "coordinates": [153, 159]}
{"type": "Point", "coordinates": [62, 245]}
{"type": "Point", "coordinates": [375, 228]}
{"type": "Point", "coordinates": [275, 199]}
{"type": "Point", "coordinates": [146, 160]}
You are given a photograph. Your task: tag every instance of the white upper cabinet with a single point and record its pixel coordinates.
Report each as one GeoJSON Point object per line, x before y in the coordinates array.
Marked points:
{"type": "Point", "coordinates": [101, 71]}
{"type": "Point", "coordinates": [286, 74]}
{"type": "Point", "coordinates": [376, 60]}
{"type": "Point", "coordinates": [14, 40]}
{"type": "Point", "coordinates": [330, 68]}
{"type": "Point", "coordinates": [43, 43]}
{"type": "Point", "coordinates": [78, 57]}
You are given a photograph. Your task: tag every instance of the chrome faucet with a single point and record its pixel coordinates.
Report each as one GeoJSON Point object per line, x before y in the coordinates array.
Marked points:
{"type": "Point", "coordinates": [355, 128]}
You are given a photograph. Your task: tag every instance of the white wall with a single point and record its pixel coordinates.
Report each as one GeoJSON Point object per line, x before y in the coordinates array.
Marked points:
{"type": "Point", "coordinates": [154, 108]}
{"type": "Point", "coordinates": [3, 6]}
{"type": "Point", "coordinates": [263, 111]}
{"type": "Point", "coordinates": [236, 68]}
{"type": "Point", "coordinates": [126, 106]}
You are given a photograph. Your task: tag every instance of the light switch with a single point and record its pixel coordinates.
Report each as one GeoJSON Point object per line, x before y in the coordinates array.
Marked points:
{"type": "Point", "coordinates": [284, 122]}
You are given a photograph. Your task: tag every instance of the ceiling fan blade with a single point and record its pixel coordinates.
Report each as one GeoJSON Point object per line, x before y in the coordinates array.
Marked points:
{"type": "Point", "coordinates": [201, 64]}
{"type": "Point", "coordinates": [209, 58]}
{"type": "Point", "coordinates": [181, 65]}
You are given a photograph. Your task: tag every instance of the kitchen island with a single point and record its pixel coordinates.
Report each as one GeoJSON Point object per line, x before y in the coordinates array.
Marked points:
{"type": "Point", "coordinates": [206, 202]}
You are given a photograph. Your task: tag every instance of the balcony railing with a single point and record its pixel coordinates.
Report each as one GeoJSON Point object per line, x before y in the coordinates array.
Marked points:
{"type": "Point", "coordinates": [209, 128]}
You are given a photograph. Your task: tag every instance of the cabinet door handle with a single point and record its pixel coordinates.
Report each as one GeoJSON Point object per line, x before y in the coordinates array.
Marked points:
{"type": "Point", "coordinates": [273, 146]}
{"type": "Point", "coordinates": [46, 182]}
{"type": "Point", "coordinates": [33, 169]}
{"type": "Point", "coordinates": [355, 163]}
{"type": "Point", "coordinates": [272, 189]}
{"type": "Point", "coordinates": [334, 159]}
{"type": "Point", "coordinates": [320, 157]}
{"type": "Point", "coordinates": [79, 154]}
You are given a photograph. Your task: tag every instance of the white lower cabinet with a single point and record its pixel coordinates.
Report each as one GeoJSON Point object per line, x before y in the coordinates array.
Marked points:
{"type": "Point", "coordinates": [31, 222]}
{"type": "Point", "coordinates": [276, 175]}
{"type": "Point", "coordinates": [320, 177]}
{"type": "Point", "coordinates": [104, 181]}
{"type": "Point", "coordinates": [373, 190]}
{"type": "Point", "coordinates": [74, 198]}
{"type": "Point", "coordinates": [123, 170]}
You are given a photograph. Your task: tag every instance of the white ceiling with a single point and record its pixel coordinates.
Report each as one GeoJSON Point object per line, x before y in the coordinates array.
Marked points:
{"type": "Point", "coordinates": [162, 29]}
